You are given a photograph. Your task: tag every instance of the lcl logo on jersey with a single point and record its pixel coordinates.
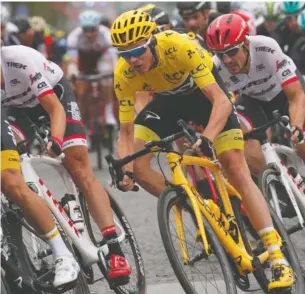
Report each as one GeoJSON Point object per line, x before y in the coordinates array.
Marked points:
{"type": "Point", "coordinates": [171, 52]}
{"type": "Point", "coordinates": [199, 71]}
{"type": "Point", "coordinates": [174, 78]}
{"type": "Point", "coordinates": [129, 73]}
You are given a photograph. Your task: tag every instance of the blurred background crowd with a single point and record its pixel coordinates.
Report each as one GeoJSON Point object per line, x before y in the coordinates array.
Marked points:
{"type": "Point", "coordinates": [46, 25]}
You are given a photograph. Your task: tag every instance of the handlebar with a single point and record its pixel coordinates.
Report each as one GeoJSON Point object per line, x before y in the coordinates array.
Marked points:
{"type": "Point", "coordinates": [115, 165]}
{"type": "Point", "coordinates": [257, 133]}
{"type": "Point", "coordinates": [37, 144]}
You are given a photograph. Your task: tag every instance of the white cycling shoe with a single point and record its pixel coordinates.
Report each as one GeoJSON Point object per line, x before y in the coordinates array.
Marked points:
{"type": "Point", "coordinates": [66, 270]}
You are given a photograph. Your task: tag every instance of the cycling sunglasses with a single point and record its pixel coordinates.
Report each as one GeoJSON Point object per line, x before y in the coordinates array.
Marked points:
{"type": "Point", "coordinates": [230, 52]}
{"type": "Point", "coordinates": [135, 52]}
{"type": "Point", "coordinates": [89, 29]}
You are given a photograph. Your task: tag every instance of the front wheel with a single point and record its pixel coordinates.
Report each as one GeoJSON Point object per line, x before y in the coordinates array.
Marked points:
{"type": "Point", "coordinates": [201, 274]}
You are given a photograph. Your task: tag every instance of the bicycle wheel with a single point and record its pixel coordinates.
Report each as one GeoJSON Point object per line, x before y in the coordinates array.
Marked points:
{"type": "Point", "coordinates": [129, 246]}
{"type": "Point", "coordinates": [255, 247]}
{"type": "Point", "coordinates": [40, 258]}
{"type": "Point", "coordinates": [269, 182]}
{"type": "Point", "coordinates": [202, 274]}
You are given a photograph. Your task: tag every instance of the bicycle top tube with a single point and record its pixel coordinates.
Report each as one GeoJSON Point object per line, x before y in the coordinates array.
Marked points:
{"type": "Point", "coordinates": [260, 132]}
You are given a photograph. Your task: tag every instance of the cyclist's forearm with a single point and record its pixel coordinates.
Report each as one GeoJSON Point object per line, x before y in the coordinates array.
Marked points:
{"type": "Point", "coordinates": [297, 110]}
{"type": "Point", "coordinates": [125, 148]}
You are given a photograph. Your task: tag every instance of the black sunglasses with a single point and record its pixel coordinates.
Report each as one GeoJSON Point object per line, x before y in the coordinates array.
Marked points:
{"type": "Point", "coordinates": [89, 29]}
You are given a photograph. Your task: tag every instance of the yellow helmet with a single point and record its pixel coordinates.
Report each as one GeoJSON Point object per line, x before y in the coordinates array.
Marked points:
{"type": "Point", "coordinates": [131, 27]}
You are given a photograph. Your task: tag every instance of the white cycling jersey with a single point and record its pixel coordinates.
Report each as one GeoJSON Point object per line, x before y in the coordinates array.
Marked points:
{"type": "Point", "coordinates": [270, 70]}
{"type": "Point", "coordinates": [92, 53]}
{"type": "Point", "coordinates": [28, 76]}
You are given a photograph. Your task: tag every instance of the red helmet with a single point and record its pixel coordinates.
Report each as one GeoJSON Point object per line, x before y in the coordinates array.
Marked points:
{"type": "Point", "coordinates": [226, 31]}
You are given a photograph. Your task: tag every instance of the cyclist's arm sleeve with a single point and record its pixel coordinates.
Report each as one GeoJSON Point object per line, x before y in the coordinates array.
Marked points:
{"type": "Point", "coordinates": [280, 64]}
{"type": "Point", "coordinates": [126, 98]}
{"type": "Point", "coordinates": [72, 50]}
{"type": "Point", "coordinates": [197, 61]}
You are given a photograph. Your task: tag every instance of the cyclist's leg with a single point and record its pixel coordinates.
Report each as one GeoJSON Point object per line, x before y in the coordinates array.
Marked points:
{"type": "Point", "coordinates": [77, 163]}
{"type": "Point", "coordinates": [251, 114]}
{"type": "Point", "coordinates": [229, 149]}
{"type": "Point", "coordinates": [35, 210]}
{"type": "Point", "coordinates": [106, 66]}
{"type": "Point", "coordinates": [157, 120]}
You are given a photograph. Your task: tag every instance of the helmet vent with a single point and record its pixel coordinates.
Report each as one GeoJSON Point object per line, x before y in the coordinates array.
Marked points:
{"type": "Point", "coordinates": [227, 33]}
{"type": "Point", "coordinates": [217, 33]}
{"type": "Point", "coordinates": [138, 31]}
{"type": "Point", "coordinates": [132, 20]}
{"type": "Point", "coordinates": [123, 37]}
{"type": "Point", "coordinates": [211, 39]}
{"type": "Point", "coordinates": [130, 33]}
{"type": "Point", "coordinates": [229, 20]}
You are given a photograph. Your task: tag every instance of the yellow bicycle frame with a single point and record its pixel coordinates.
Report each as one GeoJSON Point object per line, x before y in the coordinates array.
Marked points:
{"type": "Point", "coordinates": [236, 250]}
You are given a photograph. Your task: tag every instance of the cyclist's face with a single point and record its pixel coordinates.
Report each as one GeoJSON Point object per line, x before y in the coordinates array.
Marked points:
{"type": "Point", "coordinates": [270, 25]}
{"type": "Point", "coordinates": [195, 22]}
{"type": "Point", "coordinates": [292, 22]}
{"type": "Point", "coordinates": [235, 64]}
{"type": "Point", "coordinates": [90, 33]}
{"type": "Point", "coordinates": [142, 63]}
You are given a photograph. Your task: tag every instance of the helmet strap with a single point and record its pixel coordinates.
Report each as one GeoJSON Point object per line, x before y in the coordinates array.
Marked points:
{"type": "Point", "coordinates": [248, 57]}
{"type": "Point", "coordinates": [152, 47]}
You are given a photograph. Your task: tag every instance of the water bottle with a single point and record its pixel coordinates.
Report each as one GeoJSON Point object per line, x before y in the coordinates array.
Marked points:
{"type": "Point", "coordinates": [298, 179]}
{"type": "Point", "coordinates": [72, 209]}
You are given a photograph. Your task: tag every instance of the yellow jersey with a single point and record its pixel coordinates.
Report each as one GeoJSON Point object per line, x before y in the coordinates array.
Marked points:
{"type": "Point", "coordinates": [183, 65]}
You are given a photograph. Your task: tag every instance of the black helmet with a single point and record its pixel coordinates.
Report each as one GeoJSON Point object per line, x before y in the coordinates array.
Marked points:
{"type": "Point", "coordinates": [186, 8]}
{"type": "Point", "coordinates": [158, 15]}
{"type": "Point", "coordinates": [22, 24]}
{"type": "Point", "coordinates": [105, 21]}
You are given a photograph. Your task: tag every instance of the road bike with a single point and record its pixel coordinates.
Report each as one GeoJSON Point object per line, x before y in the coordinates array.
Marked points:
{"type": "Point", "coordinates": [32, 151]}
{"type": "Point", "coordinates": [218, 233]}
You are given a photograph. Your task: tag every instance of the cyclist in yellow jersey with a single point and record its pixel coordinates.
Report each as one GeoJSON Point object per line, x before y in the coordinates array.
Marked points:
{"type": "Point", "coordinates": [185, 86]}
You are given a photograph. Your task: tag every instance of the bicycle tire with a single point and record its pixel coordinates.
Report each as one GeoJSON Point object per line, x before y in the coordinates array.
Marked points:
{"type": "Point", "coordinates": [81, 283]}
{"type": "Point", "coordinates": [141, 278]}
{"type": "Point", "coordinates": [167, 199]}
{"type": "Point", "coordinates": [263, 185]}
{"type": "Point", "coordinates": [5, 289]}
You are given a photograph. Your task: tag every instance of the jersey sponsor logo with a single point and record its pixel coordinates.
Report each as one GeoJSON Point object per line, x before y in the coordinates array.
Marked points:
{"type": "Point", "coordinates": [286, 73]}
{"type": "Point", "coordinates": [263, 92]}
{"type": "Point", "coordinates": [118, 87]}
{"type": "Point", "coordinates": [281, 64]}
{"type": "Point", "coordinates": [264, 49]}
{"type": "Point", "coordinates": [74, 110]}
{"type": "Point", "coordinates": [199, 71]}
{"type": "Point", "coordinates": [167, 34]}
{"type": "Point", "coordinates": [129, 73]}
{"type": "Point", "coordinates": [23, 94]}
{"type": "Point", "coordinates": [171, 52]}
{"type": "Point", "coordinates": [234, 79]}
{"type": "Point", "coordinates": [260, 67]}
{"type": "Point", "coordinates": [147, 87]}
{"type": "Point", "coordinates": [150, 114]}
{"type": "Point", "coordinates": [257, 82]}
{"type": "Point", "coordinates": [14, 82]}
{"type": "Point", "coordinates": [35, 78]}
{"type": "Point", "coordinates": [16, 65]}
{"type": "Point", "coordinates": [174, 78]}
{"type": "Point", "coordinates": [126, 103]}
{"type": "Point", "coordinates": [190, 53]}
{"type": "Point", "coordinates": [42, 85]}
{"type": "Point", "coordinates": [48, 68]}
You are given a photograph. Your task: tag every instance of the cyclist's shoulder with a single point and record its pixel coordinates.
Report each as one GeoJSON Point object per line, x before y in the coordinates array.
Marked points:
{"type": "Point", "coordinates": [75, 34]}
{"type": "Point", "coordinates": [263, 44]}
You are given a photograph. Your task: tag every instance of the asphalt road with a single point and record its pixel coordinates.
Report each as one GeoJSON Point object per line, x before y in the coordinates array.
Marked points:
{"type": "Point", "coordinates": [140, 209]}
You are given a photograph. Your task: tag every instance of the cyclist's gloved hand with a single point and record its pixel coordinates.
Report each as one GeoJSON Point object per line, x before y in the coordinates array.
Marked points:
{"type": "Point", "coordinates": [205, 146]}
{"type": "Point", "coordinates": [128, 181]}
{"type": "Point", "coordinates": [54, 146]}
{"type": "Point", "coordinates": [297, 135]}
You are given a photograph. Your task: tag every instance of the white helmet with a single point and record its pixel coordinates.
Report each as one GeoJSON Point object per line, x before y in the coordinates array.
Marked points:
{"type": "Point", "coordinates": [271, 10]}
{"type": "Point", "coordinates": [90, 18]}
{"type": "Point", "coordinates": [5, 15]}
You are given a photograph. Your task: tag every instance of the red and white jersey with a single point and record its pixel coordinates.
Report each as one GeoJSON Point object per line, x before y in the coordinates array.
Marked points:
{"type": "Point", "coordinates": [28, 76]}
{"type": "Point", "coordinates": [77, 41]}
{"type": "Point", "coordinates": [270, 70]}
{"type": "Point", "coordinates": [91, 53]}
